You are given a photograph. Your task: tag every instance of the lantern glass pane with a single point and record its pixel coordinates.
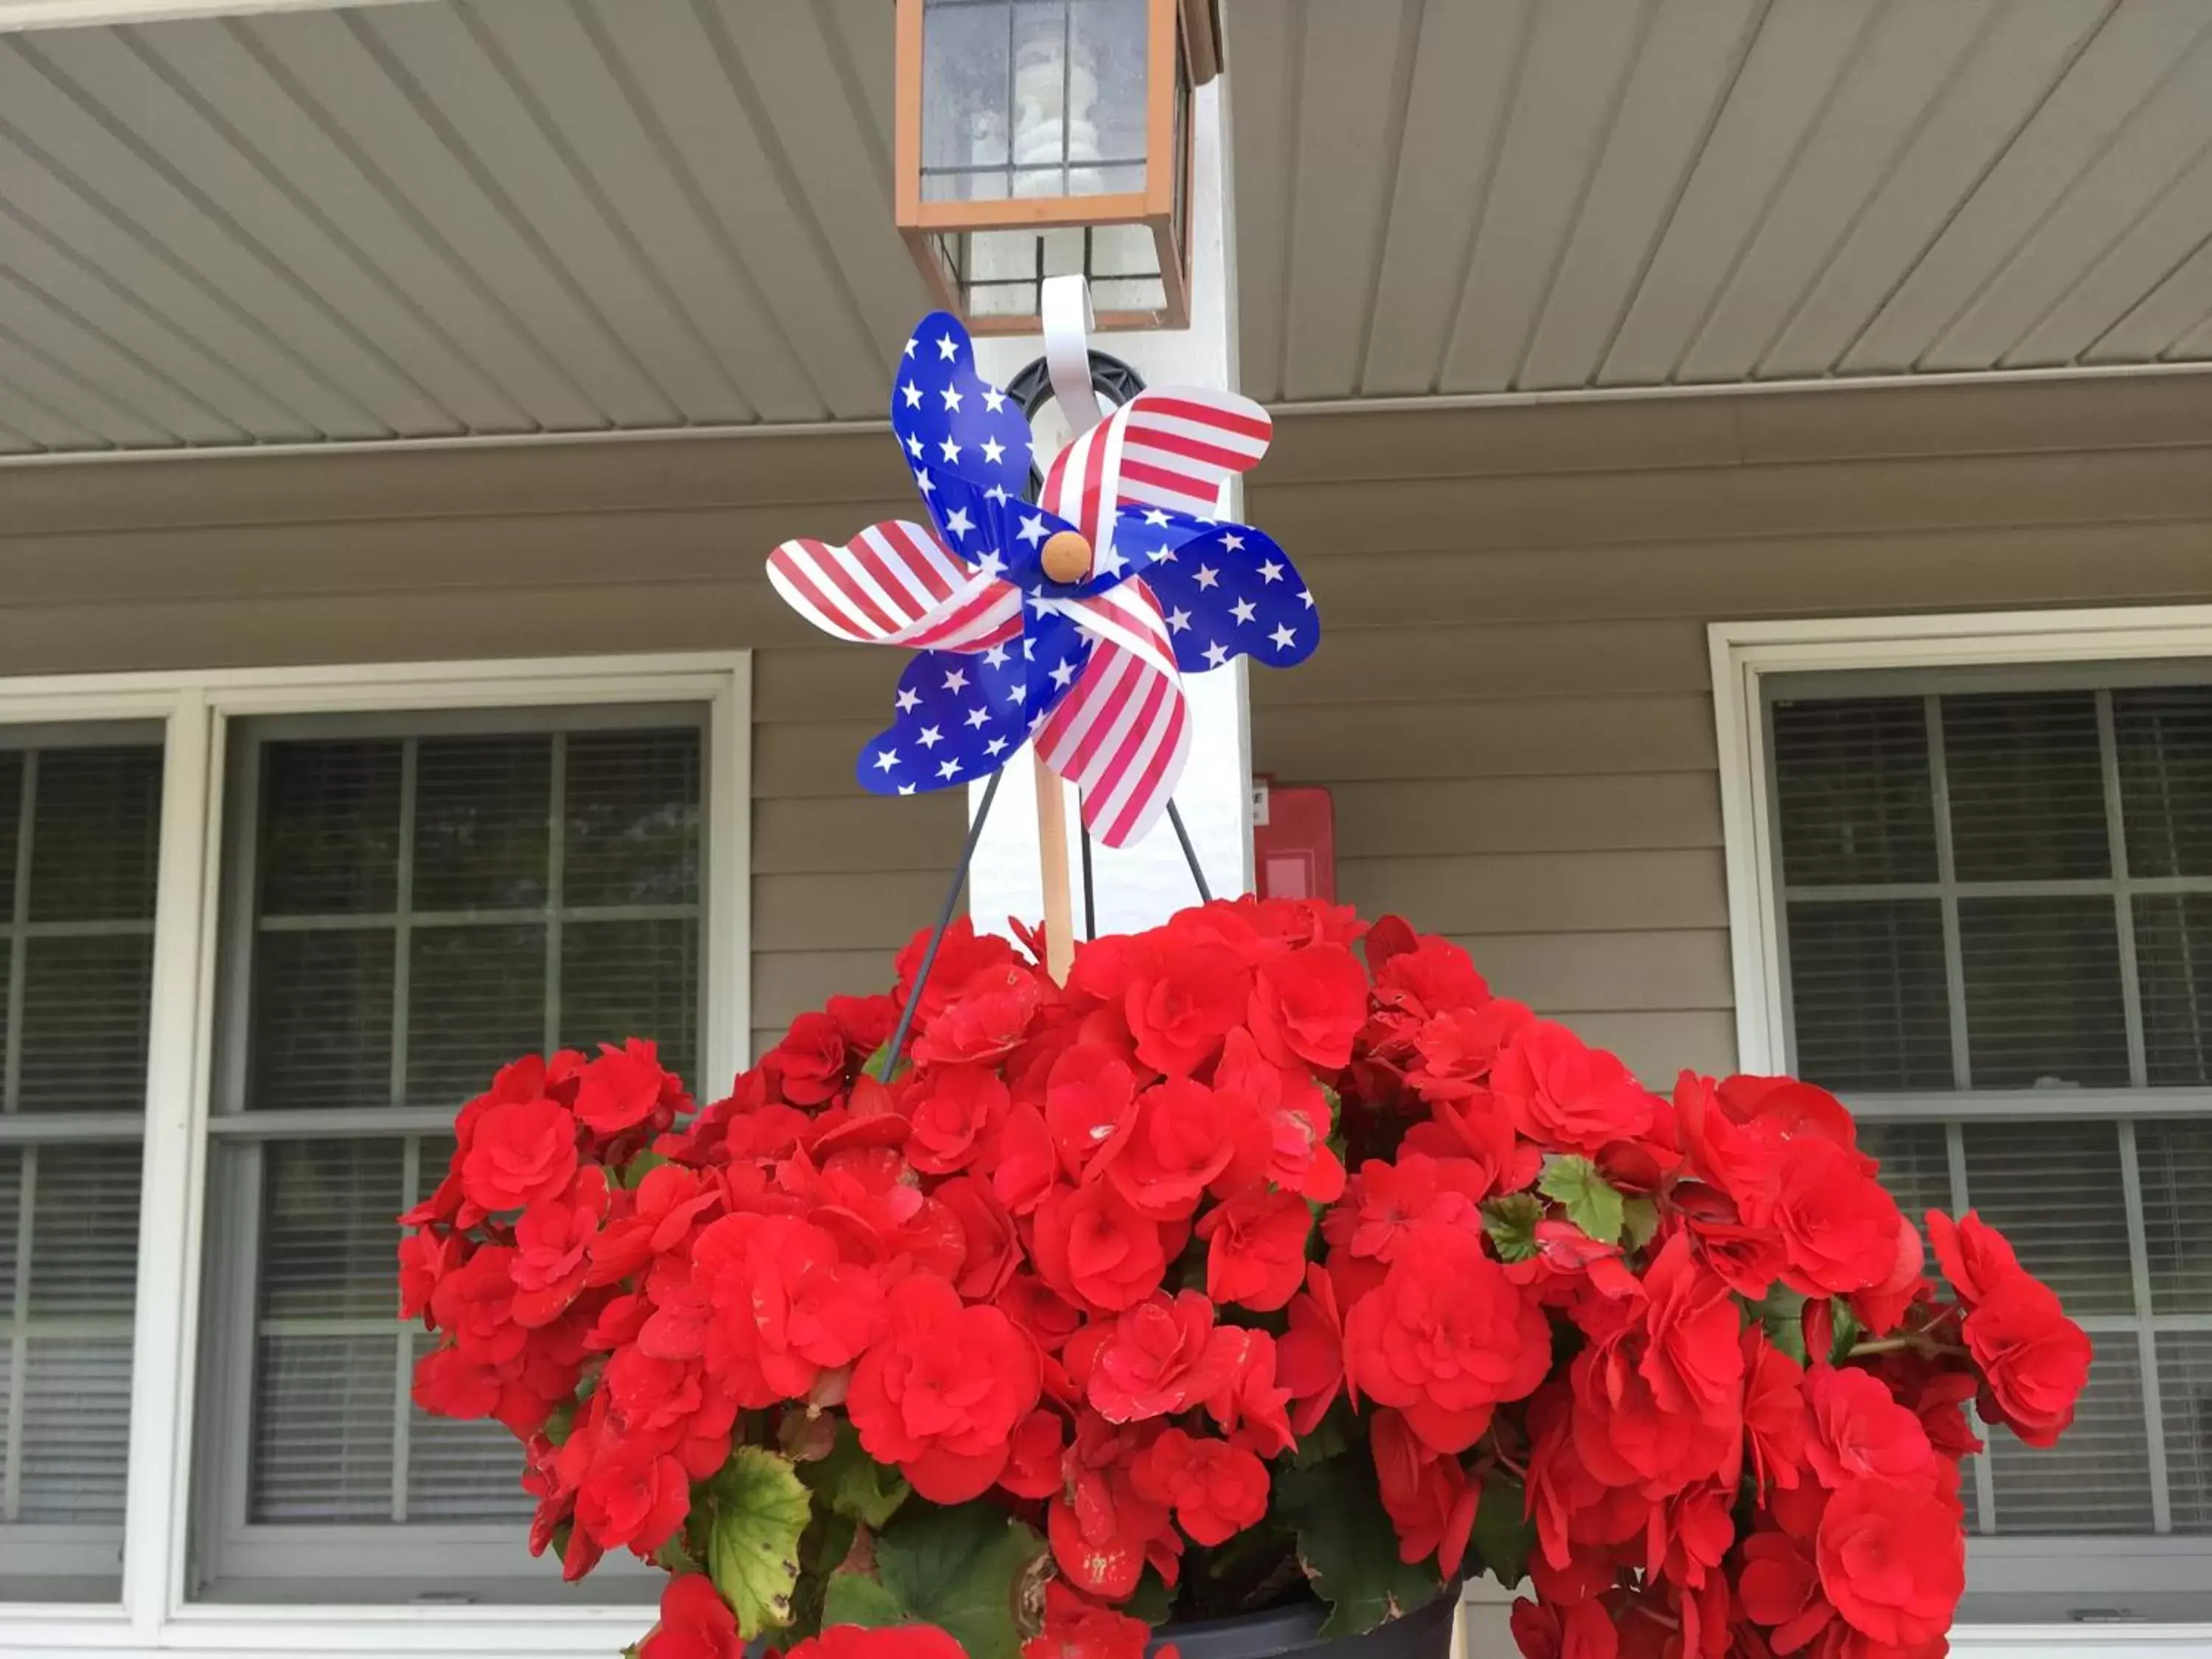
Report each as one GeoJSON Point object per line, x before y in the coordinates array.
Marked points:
{"type": "Point", "coordinates": [1000, 273]}
{"type": "Point", "coordinates": [1032, 99]}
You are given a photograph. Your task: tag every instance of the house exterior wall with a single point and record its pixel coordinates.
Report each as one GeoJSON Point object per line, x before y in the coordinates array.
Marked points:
{"type": "Point", "coordinates": [1513, 707]}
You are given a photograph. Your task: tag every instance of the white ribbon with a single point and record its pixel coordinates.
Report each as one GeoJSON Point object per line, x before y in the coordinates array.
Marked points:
{"type": "Point", "coordinates": [1065, 305]}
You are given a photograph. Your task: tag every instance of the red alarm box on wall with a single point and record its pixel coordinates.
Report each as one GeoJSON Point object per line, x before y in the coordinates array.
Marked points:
{"type": "Point", "coordinates": [1293, 841]}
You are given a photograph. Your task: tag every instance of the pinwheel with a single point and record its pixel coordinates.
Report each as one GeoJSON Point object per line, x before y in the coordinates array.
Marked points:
{"type": "Point", "coordinates": [1073, 618]}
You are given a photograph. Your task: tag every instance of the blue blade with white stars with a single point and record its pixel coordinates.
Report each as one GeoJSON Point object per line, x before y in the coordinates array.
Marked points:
{"type": "Point", "coordinates": [1226, 590]}
{"type": "Point", "coordinates": [961, 716]}
{"type": "Point", "coordinates": [966, 441]}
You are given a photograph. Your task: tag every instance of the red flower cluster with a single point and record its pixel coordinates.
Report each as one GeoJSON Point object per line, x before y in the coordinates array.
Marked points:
{"type": "Point", "coordinates": [1095, 1257]}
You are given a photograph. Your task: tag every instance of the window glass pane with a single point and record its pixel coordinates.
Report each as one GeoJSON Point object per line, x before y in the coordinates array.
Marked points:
{"type": "Point", "coordinates": [11, 815]}
{"type": "Point", "coordinates": [1866, 982]}
{"type": "Point", "coordinates": [457, 1471]}
{"type": "Point", "coordinates": [1915, 1165]}
{"type": "Point", "coordinates": [328, 1234]}
{"type": "Point", "coordinates": [331, 1417]}
{"type": "Point", "coordinates": [11, 1219]}
{"type": "Point", "coordinates": [482, 822]}
{"type": "Point", "coordinates": [2027, 782]}
{"type": "Point", "coordinates": [68, 1304]}
{"type": "Point", "coordinates": [462, 1472]}
{"type": "Point", "coordinates": [633, 818]}
{"type": "Point", "coordinates": [96, 834]}
{"type": "Point", "coordinates": [2184, 1387]}
{"type": "Point", "coordinates": [2173, 965]}
{"type": "Point", "coordinates": [1854, 798]}
{"type": "Point", "coordinates": [2055, 1190]}
{"type": "Point", "coordinates": [476, 999]}
{"type": "Point", "coordinates": [621, 978]}
{"type": "Point", "coordinates": [323, 1428]}
{"type": "Point", "coordinates": [328, 840]}
{"type": "Point", "coordinates": [2176, 1158]}
{"type": "Point", "coordinates": [327, 1344]}
{"type": "Point", "coordinates": [84, 1232]}
{"type": "Point", "coordinates": [2044, 1003]}
{"type": "Point", "coordinates": [2164, 735]}
{"type": "Point", "coordinates": [86, 1006]}
{"type": "Point", "coordinates": [2097, 1479]}
{"type": "Point", "coordinates": [322, 1020]}
{"type": "Point", "coordinates": [76, 1428]}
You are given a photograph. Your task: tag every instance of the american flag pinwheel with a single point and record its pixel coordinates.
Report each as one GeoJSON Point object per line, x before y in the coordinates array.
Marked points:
{"type": "Point", "coordinates": [1073, 618]}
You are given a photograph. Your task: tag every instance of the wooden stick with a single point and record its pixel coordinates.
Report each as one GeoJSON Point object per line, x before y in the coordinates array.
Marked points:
{"type": "Point", "coordinates": [1052, 861]}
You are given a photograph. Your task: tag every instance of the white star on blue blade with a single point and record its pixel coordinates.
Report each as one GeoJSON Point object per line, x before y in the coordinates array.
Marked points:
{"type": "Point", "coordinates": [960, 716]}
{"type": "Point", "coordinates": [1237, 609]}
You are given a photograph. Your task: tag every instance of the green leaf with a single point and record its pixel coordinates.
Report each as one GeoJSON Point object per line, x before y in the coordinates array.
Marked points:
{"type": "Point", "coordinates": [854, 1484]}
{"type": "Point", "coordinates": [878, 1065]}
{"type": "Point", "coordinates": [965, 1570]}
{"type": "Point", "coordinates": [1510, 1221]}
{"type": "Point", "coordinates": [1782, 1311]}
{"type": "Point", "coordinates": [633, 1174]}
{"type": "Point", "coordinates": [1503, 1536]}
{"type": "Point", "coordinates": [757, 1510]}
{"type": "Point", "coordinates": [673, 1559]}
{"type": "Point", "coordinates": [827, 1543]}
{"type": "Point", "coordinates": [1151, 1601]}
{"type": "Point", "coordinates": [1331, 1438]}
{"type": "Point", "coordinates": [1847, 1330]}
{"type": "Point", "coordinates": [1348, 1547]}
{"type": "Point", "coordinates": [1641, 1216]}
{"type": "Point", "coordinates": [1590, 1202]}
{"type": "Point", "coordinates": [855, 1599]}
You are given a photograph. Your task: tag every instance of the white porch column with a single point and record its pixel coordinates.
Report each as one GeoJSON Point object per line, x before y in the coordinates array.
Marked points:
{"type": "Point", "coordinates": [1138, 886]}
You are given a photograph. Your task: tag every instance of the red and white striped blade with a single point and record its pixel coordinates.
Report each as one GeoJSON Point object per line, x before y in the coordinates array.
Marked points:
{"type": "Point", "coordinates": [1122, 734]}
{"type": "Point", "coordinates": [1171, 448]}
{"type": "Point", "coordinates": [895, 584]}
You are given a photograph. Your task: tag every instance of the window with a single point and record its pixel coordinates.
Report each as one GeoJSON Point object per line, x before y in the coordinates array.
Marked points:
{"type": "Point", "coordinates": [412, 903]}
{"type": "Point", "coordinates": [1979, 902]}
{"type": "Point", "coordinates": [79, 825]}
{"type": "Point", "coordinates": [260, 935]}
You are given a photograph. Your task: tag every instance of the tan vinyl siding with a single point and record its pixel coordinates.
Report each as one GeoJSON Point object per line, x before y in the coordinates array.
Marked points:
{"type": "Point", "coordinates": [1512, 707]}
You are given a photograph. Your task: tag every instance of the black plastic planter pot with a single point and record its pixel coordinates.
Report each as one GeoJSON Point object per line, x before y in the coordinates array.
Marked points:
{"type": "Point", "coordinates": [1424, 1633]}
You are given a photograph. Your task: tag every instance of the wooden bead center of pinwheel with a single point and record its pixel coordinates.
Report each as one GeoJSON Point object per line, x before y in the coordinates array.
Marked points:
{"type": "Point", "coordinates": [1065, 555]}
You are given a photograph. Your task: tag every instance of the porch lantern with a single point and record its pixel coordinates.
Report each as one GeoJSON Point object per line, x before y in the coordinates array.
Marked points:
{"type": "Point", "coordinates": [1041, 139]}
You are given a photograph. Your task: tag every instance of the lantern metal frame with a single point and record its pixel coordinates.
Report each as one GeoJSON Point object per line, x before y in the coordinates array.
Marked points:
{"type": "Point", "coordinates": [1184, 48]}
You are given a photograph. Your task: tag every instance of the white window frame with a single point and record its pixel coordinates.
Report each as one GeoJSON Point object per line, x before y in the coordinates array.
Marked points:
{"type": "Point", "coordinates": [195, 710]}
{"type": "Point", "coordinates": [2093, 1571]}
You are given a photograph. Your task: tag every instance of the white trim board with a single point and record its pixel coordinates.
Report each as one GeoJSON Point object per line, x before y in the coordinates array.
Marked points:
{"type": "Point", "coordinates": [195, 709]}
{"type": "Point", "coordinates": [1744, 652]}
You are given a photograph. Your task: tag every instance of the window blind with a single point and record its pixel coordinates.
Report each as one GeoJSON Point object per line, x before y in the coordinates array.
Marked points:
{"type": "Point", "coordinates": [2012, 889]}
{"type": "Point", "coordinates": [79, 840]}
{"type": "Point", "coordinates": [426, 907]}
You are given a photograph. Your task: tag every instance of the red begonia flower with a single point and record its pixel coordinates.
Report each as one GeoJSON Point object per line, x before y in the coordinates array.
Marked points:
{"type": "Point", "coordinates": [942, 1394]}
{"type": "Point", "coordinates": [1445, 1339]}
